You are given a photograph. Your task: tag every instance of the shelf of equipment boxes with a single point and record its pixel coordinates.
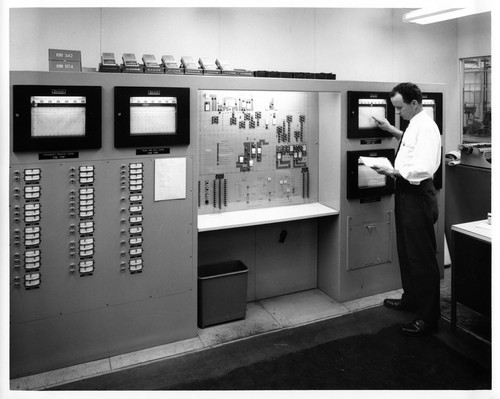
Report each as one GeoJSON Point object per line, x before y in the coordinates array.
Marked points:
{"type": "Point", "coordinates": [188, 66]}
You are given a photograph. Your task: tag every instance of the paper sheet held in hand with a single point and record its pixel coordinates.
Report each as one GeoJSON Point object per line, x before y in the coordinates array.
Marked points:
{"type": "Point", "coordinates": [376, 161]}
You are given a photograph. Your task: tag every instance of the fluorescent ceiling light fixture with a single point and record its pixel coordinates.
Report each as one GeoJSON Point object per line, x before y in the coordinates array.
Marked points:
{"type": "Point", "coordinates": [431, 15]}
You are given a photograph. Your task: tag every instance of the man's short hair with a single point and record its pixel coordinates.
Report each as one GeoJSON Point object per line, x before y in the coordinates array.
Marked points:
{"type": "Point", "coordinates": [409, 92]}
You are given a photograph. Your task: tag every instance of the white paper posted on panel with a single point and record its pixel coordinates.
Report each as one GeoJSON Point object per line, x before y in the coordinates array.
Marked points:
{"type": "Point", "coordinates": [170, 179]}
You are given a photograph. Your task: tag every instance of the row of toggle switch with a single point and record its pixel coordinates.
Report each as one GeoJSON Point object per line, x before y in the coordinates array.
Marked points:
{"type": "Point", "coordinates": [27, 212]}
{"type": "Point", "coordinates": [81, 207]}
{"type": "Point", "coordinates": [135, 209]}
{"type": "Point", "coordinates": [29, 224]}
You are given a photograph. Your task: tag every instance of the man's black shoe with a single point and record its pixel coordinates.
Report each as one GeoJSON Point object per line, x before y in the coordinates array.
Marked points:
{"type": "Point", "coordinates": [396, 304]}
{"type": "Point", "coordinates": [418, 328]}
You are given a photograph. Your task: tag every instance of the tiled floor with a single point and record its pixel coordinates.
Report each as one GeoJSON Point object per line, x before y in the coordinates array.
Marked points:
{"type": "Point", "coordinates": [263, 316]}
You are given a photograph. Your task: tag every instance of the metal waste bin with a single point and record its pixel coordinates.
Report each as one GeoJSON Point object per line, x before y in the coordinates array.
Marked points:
{"type": "Point", "coordinates": [222, 292]}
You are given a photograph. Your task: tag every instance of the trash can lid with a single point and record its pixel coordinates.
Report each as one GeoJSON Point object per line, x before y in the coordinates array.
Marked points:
{"type": "Point", "coordinates": [221, 269]}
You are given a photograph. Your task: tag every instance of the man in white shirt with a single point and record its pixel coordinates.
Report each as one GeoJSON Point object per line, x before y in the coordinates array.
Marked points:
{"type": "Point", "coordinates": [416, 209]}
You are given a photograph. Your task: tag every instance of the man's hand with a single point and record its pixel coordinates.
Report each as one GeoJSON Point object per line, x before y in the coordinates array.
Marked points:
{"type": "Point", "coordinates": [383, 123]}
{"type": "Point", "coordinates": [384, 170]}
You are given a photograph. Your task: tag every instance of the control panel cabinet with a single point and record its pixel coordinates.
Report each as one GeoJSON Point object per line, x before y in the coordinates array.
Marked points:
{"type": "Point", "coordinates": [107, 230]}
{"type": "Point", "coordinates": [101, 238]}
{"type": "Point", "coordinates": [88, 238]}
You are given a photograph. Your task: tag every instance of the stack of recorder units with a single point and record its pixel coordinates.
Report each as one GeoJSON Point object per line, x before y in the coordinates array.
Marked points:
{"type": "Point", "coordinates": [188, 66]}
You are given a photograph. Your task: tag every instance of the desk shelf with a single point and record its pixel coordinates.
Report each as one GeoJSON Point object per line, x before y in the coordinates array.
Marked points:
{"type": "Point", "coordinates": [471, 268]}
{"type": "Point", "coordinates": [253, 217]}
{"type": "Point", "coordinates": [479, 229]}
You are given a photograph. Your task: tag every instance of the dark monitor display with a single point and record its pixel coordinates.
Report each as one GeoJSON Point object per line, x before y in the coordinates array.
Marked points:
{"type": "Point", "coordinates": [363, 181]}
{"type": "Point", "coordinates": [54, 118]}
{"type": "Point", "coordinates": [151, 116]}
{"type": "Point", "coordinates": [362, 108]}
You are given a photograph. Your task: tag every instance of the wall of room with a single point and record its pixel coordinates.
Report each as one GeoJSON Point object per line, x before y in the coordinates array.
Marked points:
{"type": "Point", "coordinates": [357, 44]}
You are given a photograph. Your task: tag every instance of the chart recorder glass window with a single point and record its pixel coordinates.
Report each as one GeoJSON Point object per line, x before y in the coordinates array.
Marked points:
{"type": "Point", "coordinates": [151, 116]}
{"type": "Point", "coordinates": [56, 118]}
{"type": "Point", "coordinates": [362, 107]}
{"type": "Point", "coordinates": [362, 181]}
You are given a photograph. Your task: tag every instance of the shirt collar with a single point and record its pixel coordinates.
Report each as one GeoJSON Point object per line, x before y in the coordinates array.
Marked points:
{"type": "Point", "coordinates": [418, 116]}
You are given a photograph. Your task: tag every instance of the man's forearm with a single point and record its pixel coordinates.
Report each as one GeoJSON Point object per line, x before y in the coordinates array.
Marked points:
{"type": "Point", "coordinates": [395, 132]}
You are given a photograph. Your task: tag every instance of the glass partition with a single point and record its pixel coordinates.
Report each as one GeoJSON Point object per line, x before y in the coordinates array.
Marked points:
{"type": "Point", "coordinates": [476, 99]}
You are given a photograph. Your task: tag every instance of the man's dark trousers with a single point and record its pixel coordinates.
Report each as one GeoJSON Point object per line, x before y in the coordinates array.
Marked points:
{"type": "Point", "coordinates": [416, 210]}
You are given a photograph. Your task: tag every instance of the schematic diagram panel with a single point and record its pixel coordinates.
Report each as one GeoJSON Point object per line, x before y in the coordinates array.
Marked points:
{"type": "Point", "coordinates": [256, 149]}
